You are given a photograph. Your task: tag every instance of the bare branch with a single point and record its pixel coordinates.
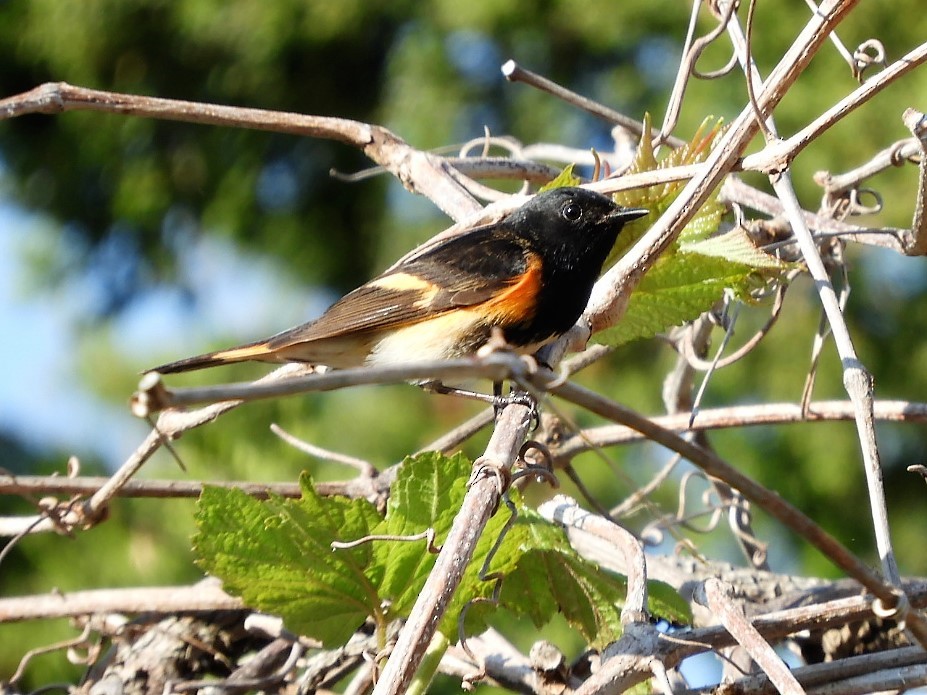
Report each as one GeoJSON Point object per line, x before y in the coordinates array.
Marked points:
{"type": "Point", "coordinates": [480, 503]}
{"type": "Point", "coordinates": [610, 296]}
{"type": "Point", "coordinates": [152, 396]}
{"type": "Point", "coordinates": [738, 416]}
{"type": "Point", "coordinates": [836, 185]}
{"type": "Point", "coordinates": [419, 171]}
{"type": "Point", "coordinates": [567, 512]}
{"type": "Point", "coordinates": [857, 380]}
{"type": "Point", "coordinates": [718, 598]}
{"type": "Point", "coordinates": [515, 73]}
{"type": "Point", "coordinates": [714, 466]}
{"type": "Point", "coordinates": [917, 243]}
{"type": "Point", "coordinates": [736, 191]}
{"type": "Point", "coordinates": [205, 596]}
{"type": "Point", "coordinates": [776, 156]}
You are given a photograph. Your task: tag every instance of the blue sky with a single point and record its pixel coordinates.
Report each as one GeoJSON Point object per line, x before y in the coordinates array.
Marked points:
{"type": "Point", "coordinates": [43, 401]}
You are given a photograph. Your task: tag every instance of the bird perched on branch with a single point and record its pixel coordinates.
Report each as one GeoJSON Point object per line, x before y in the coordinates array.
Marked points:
{"type": "Point", "coordinates": [529, 275]}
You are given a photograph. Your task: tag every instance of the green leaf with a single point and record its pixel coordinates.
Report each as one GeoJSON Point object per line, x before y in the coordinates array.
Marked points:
{"type": "Point", "coordinates": [276, 554]}
{"type": "Point", "coordinates": [473, 585]}
{"type": "Point", "coordinates": [551, 577]}
{"type": "Point", "coordinates": [427, 493]}
{"type": "Point", "coordinates": [677, 288]}
{"type": "Point", "coordinates": [664, 602]}
{"type": "Point", "coordinates": [734, 246]}
{"type": "Point", "coordinates": [659, 197]}
{"type": "Point", "coordinates": [564, 178]}
{"type": "Point", "coordinates": [548, 581]}
{"type": "Point", "coordinates": [699, 267]}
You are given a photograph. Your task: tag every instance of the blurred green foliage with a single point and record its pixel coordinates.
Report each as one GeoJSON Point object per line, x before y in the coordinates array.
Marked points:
{"type": "Point", "coordinates": [128, 194]}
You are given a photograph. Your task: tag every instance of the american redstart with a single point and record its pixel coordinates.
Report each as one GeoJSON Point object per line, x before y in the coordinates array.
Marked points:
{"type": "Point", "coordinates": [529, 275]}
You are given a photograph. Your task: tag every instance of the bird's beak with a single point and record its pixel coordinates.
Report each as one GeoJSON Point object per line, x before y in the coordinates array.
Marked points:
{"type": "Point", "coordinates": [628, 214]}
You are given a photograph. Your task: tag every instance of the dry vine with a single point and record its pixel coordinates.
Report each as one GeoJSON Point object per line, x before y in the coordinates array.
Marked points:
{"type": "Point", "coordinates": [751, 620]}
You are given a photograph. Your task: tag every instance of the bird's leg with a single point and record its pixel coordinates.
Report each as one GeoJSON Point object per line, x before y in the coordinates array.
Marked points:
{"type": "Point", "coordinates": [439, 387]}
{"type": "Point", "coordinates": [497, 396]}
{"type": "Point", "coordinates": [524, 398]}
{"type": "Point", "coordinates": [497, 399]}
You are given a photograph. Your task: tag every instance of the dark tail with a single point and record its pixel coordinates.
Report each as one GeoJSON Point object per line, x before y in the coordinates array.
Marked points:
{"type": "Point", "coordinates": [253, 351]}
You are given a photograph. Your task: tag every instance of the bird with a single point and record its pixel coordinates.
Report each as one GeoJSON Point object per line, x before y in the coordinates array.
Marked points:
{"type": "Point", "coordinates": [527, 276]}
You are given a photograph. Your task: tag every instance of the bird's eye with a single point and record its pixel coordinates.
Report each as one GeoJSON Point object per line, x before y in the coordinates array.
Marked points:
{"type": "Point", "coordinates": [571, 212]}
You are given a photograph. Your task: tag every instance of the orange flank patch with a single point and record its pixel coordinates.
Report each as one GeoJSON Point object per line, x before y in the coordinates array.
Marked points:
{"type": "Point", "coordinates": [519, 300]}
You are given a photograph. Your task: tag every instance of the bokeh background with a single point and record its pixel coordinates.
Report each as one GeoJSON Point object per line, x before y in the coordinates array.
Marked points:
{"type": "Point", "coordinates": [126, 242]}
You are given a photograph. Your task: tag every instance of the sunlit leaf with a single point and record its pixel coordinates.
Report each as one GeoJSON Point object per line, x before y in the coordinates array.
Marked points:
{"type": "Point", "coordinates": [276, 554]}
{"type": "Point", "coordinates": [700, 266]}
{"type": "Point", "coordinates": [564, 178]}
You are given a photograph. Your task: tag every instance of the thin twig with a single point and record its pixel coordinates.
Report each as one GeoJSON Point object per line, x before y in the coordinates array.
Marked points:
{"type": "Point", "coordinates": [857, 380]}
{"type": "Point", "coordinates": [690, 55]}
{"type": "Point", "coordinates": [515, 73]}
{"type": "Point", "coordinates": [916, 244]}
{"type": "Point", "coordinates": [419, 171]}
{"type": "Point", "coordinates": [838, 44]}
{"type": "Point", "coordinates": [736, 191]}
{"type": "Point", "coordinates": [598, 437]}
{"type": "Point", "coordinates": [626, 669]}
{"type": "Point", "coordinates": [455, 437]}
{"type": "Point", "coordinates": [715, 466]}
{"type": "Point", "coordinates": [719, 599]}
{"type": "Point", "coordinates": [776, 156]}
{"type": "Point", "coordinates": [176, 489]}
{"type": "Point", "coordinates": [205, 596]}
{"type": "Point", "coordinates": [364, 468]}
{"type": "Point", "coordinates": [740, 416]}
{"type": "Point", "coordinates": [497, 366]}
{"type": "Point", "coordinates": [566, 511]}
{"type": "Point", "coordinates": [836, 185]}
{"type": "Point", "coordinates": [611, 292]}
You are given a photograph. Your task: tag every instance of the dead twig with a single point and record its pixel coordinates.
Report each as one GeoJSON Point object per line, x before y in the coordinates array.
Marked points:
{"type": "Point", "coordinates": [480, 502]}
{"type": "Point", "coordinates": [419, 171]}
{"type": "Point", "coordinates": [718, 598]}
{"type": "Point", "coordinates": [611, 292]}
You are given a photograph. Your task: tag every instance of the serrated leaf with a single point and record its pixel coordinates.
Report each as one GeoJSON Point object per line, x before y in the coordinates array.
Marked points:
{"type": "Point", "coordinates": [552, 577]}
{"type": "Point", "coordinates": [698, 267]}
{"type": "Point", "coordinates": [735, 246]}
{"type": "Point", "coordinates": [563, 179]}
{"type": "Point", "coordinates": [548, 581]}
{"type": "Point", "coordinates": [658, 198]}
{"type": "Point", "coordinates": [276, 554]}
{"type": "Point", "coordinates": [676, 289]}
{"type": "Point", "coordinates": [427, 493]}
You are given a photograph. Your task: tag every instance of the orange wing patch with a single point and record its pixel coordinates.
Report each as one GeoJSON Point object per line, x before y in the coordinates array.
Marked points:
{"type": "Point", "coordinates": [518, 301]}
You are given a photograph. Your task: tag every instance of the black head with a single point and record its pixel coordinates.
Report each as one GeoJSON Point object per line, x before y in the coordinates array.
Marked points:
{"type": "Point", "coordinates": [572, 230]}
{"type": "Point", "coordinates": [573, 216]}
